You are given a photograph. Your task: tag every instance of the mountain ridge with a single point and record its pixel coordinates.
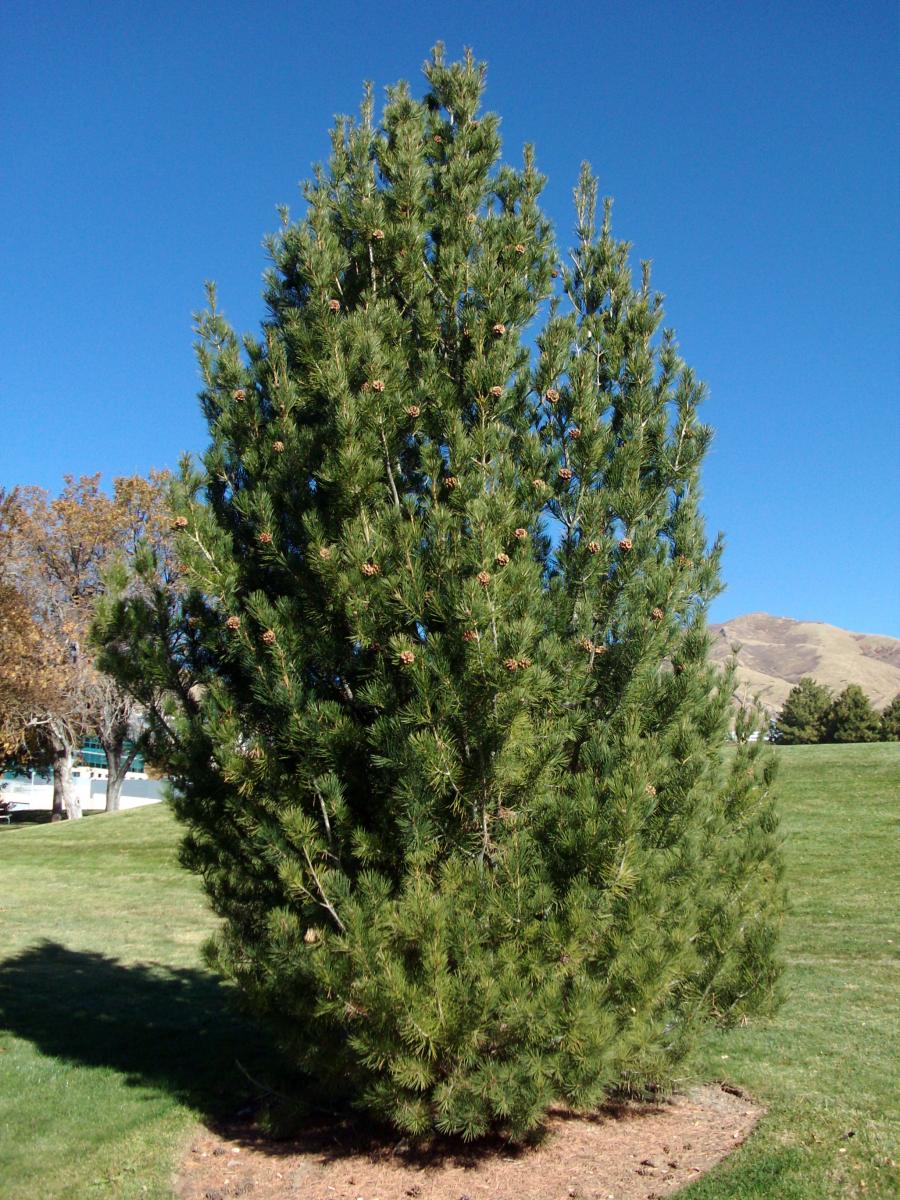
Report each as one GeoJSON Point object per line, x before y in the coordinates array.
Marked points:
{"type": "Point", "coordinates": [776, 652]}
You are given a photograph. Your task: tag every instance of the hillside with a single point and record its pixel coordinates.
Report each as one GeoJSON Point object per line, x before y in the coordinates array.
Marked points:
{"type": "Point", "coordinates": [776, 652]}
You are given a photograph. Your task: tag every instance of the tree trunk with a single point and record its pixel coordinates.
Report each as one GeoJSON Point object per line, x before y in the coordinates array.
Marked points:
{"type": "Point", "coordinates": [118, 764]}
{"type": "Point", "coordinates": [65, 796]}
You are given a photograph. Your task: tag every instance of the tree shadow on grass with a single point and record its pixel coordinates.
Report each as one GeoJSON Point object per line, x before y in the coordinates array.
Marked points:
{"type": "Point", "coordinates": [174, 1029]}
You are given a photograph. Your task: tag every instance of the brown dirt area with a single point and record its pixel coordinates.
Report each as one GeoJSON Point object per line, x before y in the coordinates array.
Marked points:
{"type": "Point", "coordinates": [624, 1152]}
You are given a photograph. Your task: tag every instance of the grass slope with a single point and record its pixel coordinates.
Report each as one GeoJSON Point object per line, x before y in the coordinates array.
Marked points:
{"type": "Point", "coordinates": [114, 1041]}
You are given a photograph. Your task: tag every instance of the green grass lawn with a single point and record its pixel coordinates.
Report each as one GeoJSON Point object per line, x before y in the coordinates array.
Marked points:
{"type": "Point", "coordinates": [114, 1040]}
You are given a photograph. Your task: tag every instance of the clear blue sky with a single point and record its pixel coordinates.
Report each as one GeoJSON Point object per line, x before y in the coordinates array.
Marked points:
{"type": "Point", "coordinates": [751, 149]}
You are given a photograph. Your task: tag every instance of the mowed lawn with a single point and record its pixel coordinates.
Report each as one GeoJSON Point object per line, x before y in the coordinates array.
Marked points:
{"type": "Point", "coordinates": [115, 1041]}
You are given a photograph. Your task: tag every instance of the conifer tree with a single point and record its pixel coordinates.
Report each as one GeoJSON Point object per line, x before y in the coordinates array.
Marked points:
{"type": "Point", "coordinates": [445, 732]}
{"type": "Point", "coordinates": [801, 721]}
{"type": "Point", "coordinates": [890, 721]}
{"type": "Point", "coordinates": [851, 718]}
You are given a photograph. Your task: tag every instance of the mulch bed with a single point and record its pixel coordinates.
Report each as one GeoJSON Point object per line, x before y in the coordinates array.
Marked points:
{"type": "Point", "coordinates": [624, 1152]}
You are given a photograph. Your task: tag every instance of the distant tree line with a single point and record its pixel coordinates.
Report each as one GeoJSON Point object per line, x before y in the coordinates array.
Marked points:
{"type": "Point", "coordinates": [57, 556]}
{"type": "Point", "coordinates": [812, 716]}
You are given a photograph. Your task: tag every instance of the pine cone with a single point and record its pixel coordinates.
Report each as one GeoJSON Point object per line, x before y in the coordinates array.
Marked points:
{"type": "Point", "coordinates": [521, 534]}
{"type": "Point", "coordinates": [377, 234]}
{"type": "Point", "coordinates": [574, 433]}
{"type": "Point", "coordinates": [180, 523]}
{"type": "Point", "coordinates": [377, 385]}
{"type": "Point", "coordinates": [650, 789]}
{"type": "Point", "coordinates": [587, 644]}
{"type": "Point", "coordinates": [334, 305]}
{"type": "Point", "coordinates": [501, 559]}
{"type": "Point", "coordinates": [499, 329]}
{"type": "Point", "coordinates": [524, 664]}
{"type": "Point", "coordinates": [239, 394]}
{"type": "Point", "coordinates": [551, 395]}
{"type": "Point", "coordinates": [682, 561]}
{"type": "Point", "coordinates": [539, 485]}
{"type": "Point", "coordinates": [625, 545]}
{"type": "Point", "coordinates": [483, 578]}
{"type": "Point", "coordinates": [554, 274]}
{"type": "Point", "coordinates": [268, 637]}
{"type": "Point", "coordinates": [233, 623]}
{"type": "Point", "coordinates": [264, 538]}
{"type": "Point", "coordinates": [413, 411]}
{"type": "Point", "coordinates": [511, 664]}
{"type": "Point", "coordinates": [470, 635]}
{"type": "Point", "coordinates": [565, 473]}
{"type": "Point", "coordinates": [451, 482]}
{"type": "Point", "coordinates": [407, 657]}
{"type": "Point", "coordinates": [438, 139]}
{"type": "Point", "coordinates": [520, 249]}
{"type": "Point", "coordinates": [593, 547]}
{"type": "Point", "coordinates": [370, 569]}
{"type": "Point", "coordinates": [278, 447]}
{"type": "Point", "coordinates": [496, 391]}
{"type": "Point", "coordinates": [471, 218]}
{"type": "Point", "coordinates": [657, 614]}
{"type": "Point", "coordinates": [311, 936]}
{"type": "Point", "coordinates": [679, 668]}
{"type": "Point", "coordinates": [325, 553]}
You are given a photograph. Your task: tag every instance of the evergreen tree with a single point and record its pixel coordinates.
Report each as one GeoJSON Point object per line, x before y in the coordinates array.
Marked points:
{"type": "Point", "coordinates": [851, 718]}
{"type": "Point", "coordinates": [890, 721]}
{"type": "Point", "coordinates": [445, 731]}
{"type": "Point", "coordinates": [801, 721]}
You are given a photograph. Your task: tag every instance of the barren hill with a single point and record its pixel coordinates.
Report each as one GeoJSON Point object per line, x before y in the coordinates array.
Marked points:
{"type": "Point", "coordinates": [776, 652]}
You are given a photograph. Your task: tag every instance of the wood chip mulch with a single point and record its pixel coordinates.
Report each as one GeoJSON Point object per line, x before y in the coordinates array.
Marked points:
{"type": "Point", "coordinates": [624, 1152]}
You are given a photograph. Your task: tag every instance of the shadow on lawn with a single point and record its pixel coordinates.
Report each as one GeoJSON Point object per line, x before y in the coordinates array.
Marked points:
{"type": "Point", "coordinates": [173, 1029]}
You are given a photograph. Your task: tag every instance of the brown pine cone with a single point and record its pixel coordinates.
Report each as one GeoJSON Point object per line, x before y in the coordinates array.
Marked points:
{"type": "Point", "coordinates": [511, 664]}
{"type": "Point", "coordinates": [538, 484]}
{"type": "Point", "coordinates": [407, 657]}
{"type": "Point", "coordinates": [551, 395]}
{"type": "Point", "coordinates": [625, 545]}
{"type": "Point", "coordinates": [268, 637]}
{"type": "Point", "coordinates": [501, 559]}
{"type": "Point", "coordinates": [483, 578]}
{"type": "Point", "coordinates": [499, 329]}
{"type": "Point", "coordinates": [657, 614]}
{"type": "Point", "coordinates": [682, 561]}
{"type": "Point", "coordinates": [471, 218]}
{"type": "Point", "coordinates": [311, 936]}
{"type": "Point", "coordinates": [334, 305]}
{"type": "Point", "coordinates": [587, 644]}
{"type": "Point", "coordinates": [650, 789]}
{"type": "Point", "coordinates": [470, 635]}
{"type": "Point", "coordinates": [413, 411]}
{"type": "Point", "coordinates": [521, 534]}
{"type": "Point", "coordinates": [574, 433]}
{"type": "Point", "coordinates": [524, 664]}
{"type": "Point", "coordinates": [278, 447]}
{"type": "Point", "coordinates": [679, 668]}
{"type": "Point", "coordinates": [233, 623]}
{"type": "Point", "coordinates": [593, 547]}
{"type": "Point", "coordinates": [370, 569]}
{"type": "Point", "coordinates": [377, 385]}
{"type": "Point", "coordinates": [496, 391]}
{"type": "Point", "coordinates": [451, 482]}
{"type": "Point", "coordinates": [264, 538]}
{"type": "Point", "coordinates": [325, 553]}
{"type": "Point", "coordinates": [377, 234]}
{"type": "Point", "coordinates": [565, 473]}
{"type": "Point", "coordinates": [520, 249]}
{"type": "Point", "coordinates": [180, 523]}
{"type": "Point", "coordinates": [239, 394]}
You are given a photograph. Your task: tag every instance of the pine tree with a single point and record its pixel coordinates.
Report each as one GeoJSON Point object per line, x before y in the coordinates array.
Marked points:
{"type": "Point", "coordinates": [890, 721]}
{"type": "Point", "coordinates": [439, 704]}
{"type": "Point", "coordinates": [851, 718]}
{"type": "Point", "coordinates": [801, 721]}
